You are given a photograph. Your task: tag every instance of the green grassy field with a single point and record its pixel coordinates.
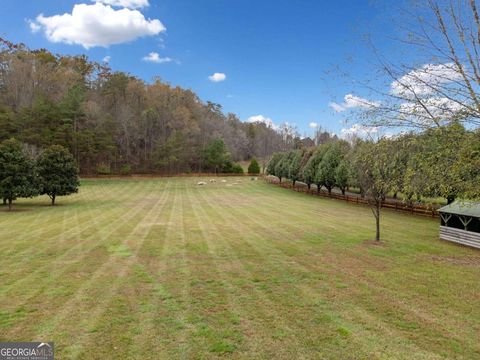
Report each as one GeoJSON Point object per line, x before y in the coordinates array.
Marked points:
{"type": "Point", "coordinates": [164, 269]}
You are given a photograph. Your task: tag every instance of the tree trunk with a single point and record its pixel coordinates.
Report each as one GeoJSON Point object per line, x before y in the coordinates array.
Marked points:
{"type": "Point", "coordinates": [280, 179]}
{"type": "Point", "coordinates": [9, 204]}
{"type": "Point", "coordinates": [309, 186]}
{"type": "Point", "coordinates": [4, 201]}
{"type": "Point", "coordinates": [293, 183]}
{"type": "Point", "coordinates": [329, 190]}
{"type": "Point", "coordinates": [377, 221]}
{"type": "Point", "coordinates": [343, 191]}
{"type": "Point", "coordinates": [53, 199]}
{"type": "Point", "coordinates": [318, 189]}
{"type": "Point", "coordinates": [395, 195]}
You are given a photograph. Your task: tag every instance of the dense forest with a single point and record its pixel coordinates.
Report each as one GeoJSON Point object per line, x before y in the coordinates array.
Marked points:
{"type": "Point", "coordinates": [112, 120]}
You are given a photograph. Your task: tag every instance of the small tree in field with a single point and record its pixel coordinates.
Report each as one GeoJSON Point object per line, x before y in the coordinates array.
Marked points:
{"type": "Point", "coordinates": [375, 175]}
{"type": "Point", "coordinates": [58, 172]}
{"type": "Point", "coordinates": [17, 173]}
{"type": "Point", "coordinates": [254, 167]}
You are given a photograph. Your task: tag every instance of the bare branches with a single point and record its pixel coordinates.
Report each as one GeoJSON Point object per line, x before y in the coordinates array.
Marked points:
{"type": "Point", "coordinates": [440, 81]}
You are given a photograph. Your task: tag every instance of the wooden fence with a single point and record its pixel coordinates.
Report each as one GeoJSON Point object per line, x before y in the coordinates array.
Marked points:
{"type": "Point", "coordinates": [154, 176]}
{"type": "Point", "coordinates": [417, 209]}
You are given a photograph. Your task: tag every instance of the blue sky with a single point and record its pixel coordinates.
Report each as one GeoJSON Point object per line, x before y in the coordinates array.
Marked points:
{"type": "Point", "coordinates": [274, 53]}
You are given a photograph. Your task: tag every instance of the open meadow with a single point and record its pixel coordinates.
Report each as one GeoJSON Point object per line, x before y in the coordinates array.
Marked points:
{"type": "Point", "coordinates": [163, 268]}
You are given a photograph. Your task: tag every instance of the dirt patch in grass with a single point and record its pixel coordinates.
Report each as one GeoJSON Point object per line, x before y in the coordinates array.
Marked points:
{"type": "Point", "coordinates": [453, 260]}
{"type": "Point", "coordinates": [374, 243]}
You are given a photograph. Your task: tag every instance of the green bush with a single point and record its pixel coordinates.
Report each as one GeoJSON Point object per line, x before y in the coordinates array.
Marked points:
{"type": "Point", "coordinates": [254, 167]}
{"type": "Point", "coordinates": [230, 168]}
{"type": "Point", "coordinates": [237, 169]}
{"type": "Point", "coordinates": [126, 169]}
{"type": "Point", "coordinates": [103, 169]}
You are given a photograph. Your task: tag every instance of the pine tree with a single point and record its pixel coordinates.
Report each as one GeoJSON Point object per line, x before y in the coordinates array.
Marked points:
{"type": "Point", "coordinates": [254, 167]}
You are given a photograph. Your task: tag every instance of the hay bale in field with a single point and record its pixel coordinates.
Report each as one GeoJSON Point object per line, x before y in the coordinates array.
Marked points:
{"type": "Point", "coordinates": [201, 183]}
{"type": "Point", "coordinates": [224, 181]}
{"type": "Point", "coordinates": [212, 180]}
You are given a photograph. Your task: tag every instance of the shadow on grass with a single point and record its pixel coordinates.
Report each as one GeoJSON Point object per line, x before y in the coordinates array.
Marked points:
{"type": "Point", "coordinates": [25, 206]}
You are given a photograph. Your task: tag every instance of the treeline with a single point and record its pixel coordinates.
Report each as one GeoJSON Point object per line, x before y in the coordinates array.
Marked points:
{"type": "Point", "coordinates": [441, 162]}
{"type": "Point", "coordinates": [111, 120]}
{"type": "Point", "coordinates": [53, 172]}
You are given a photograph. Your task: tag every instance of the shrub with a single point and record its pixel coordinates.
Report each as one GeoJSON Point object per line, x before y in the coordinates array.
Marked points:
{"type": "Point", "coordinates": [231, 168]}
{"type": "Point", "coordinates": [254, 167]}
{"type": "Point", "coordinates": [237, 169]}
{"type": "Point", "coordinates": [103, 169]}
{"type": "Point", "coordinates": [126, 169]}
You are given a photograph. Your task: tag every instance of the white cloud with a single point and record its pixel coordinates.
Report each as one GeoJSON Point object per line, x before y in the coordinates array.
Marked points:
{"type": "Point", "coordinates": [262, 119]}
{"type": "Point", "coordinates": [107, 59]}
{"type": "Point", "coordinates": [217, 77]}
{"type": "Point", "coordinates": [336, 107]}
{"type": "Point", "coordinates": [439, 107]}
{"type": "Point", "coordinates": [155, 58]}
{"type": "Point", "coordinates": [358, 130]}
{"type": "Point", "coordinates": [34, 27]}
{"type": "Point", "coordinates": [351, 102]}
{"type": "Point", "coordinates": [313, 125]}
{"type": "Point", "coordinates": [131, 4]}
{"type": "Point", "coordinates": [424, 80]}
{"type": "Point", "coordinates": [97, 25]}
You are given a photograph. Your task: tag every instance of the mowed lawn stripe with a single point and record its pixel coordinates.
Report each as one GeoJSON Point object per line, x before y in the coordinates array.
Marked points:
{"type": "Point", "coordinates": [121, 315]}
{"type": "Point", "coordinates": [71, 260]}
{"type": "Point", "coordinates": [279, 281]}
{"type": "Point", "coordinates": [79, 313]}
{"type": "Point", "coordinates": [88, 225]}
{"type": "Point", "coordinates": [163, 268]}
{"type": "Point", "coordinates": [235, 325]}
{"type": "Point", "coordinates": [431, 326]}
{"type": "Point", "coordinates": [338, 270]}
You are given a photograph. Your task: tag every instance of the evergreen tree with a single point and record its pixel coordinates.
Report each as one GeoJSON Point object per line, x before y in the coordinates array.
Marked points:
{"type": "Point", "coordinates": [216, 154]}
{"type": "Point", "coordinates": [342, 175]}
{"type": "Point", "coordinates": [326, 170]}
{"type": "Point", "coordinates": [17, 173]}
{"type": "Point", "coordinates": [314, 165]}
{"type": "Point", "coordinates": [254, 167]}
{"type": "Point", "coordinates": [283, 166]}
{"type": "Point", "coordinates": [58, 172]}
{"type": "Point", "coordinates": [295, 163]}
{"type": "Point", "coordinates": [272, 164]}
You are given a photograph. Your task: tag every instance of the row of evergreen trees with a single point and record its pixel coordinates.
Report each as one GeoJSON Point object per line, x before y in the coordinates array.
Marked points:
{"type": "Point", "coordinates": [54, 172]}
{"type": "Point", "coordinates": [323, 166]}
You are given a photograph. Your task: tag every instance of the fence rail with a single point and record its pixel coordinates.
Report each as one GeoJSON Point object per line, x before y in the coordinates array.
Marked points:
{"type": "Point", "coordinates": [147, 176]}
{"type": "Point", "coordinates": [417, 209]}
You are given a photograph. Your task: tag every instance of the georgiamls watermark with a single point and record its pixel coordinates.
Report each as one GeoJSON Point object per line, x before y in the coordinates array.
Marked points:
{"type": "Point", "coordinates": [26, 351]}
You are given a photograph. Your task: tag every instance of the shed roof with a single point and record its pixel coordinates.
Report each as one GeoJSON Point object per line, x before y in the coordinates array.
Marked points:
{"type": "Point", "coordinates": [465, 208]}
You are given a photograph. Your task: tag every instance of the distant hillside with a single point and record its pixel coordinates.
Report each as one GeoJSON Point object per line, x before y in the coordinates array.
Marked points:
{"type": "Point", "coordinates": [109, 119]}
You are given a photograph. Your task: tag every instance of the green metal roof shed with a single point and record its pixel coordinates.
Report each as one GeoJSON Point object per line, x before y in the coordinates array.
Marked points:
{"type": "Point", "coordinates": [460, 223]}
